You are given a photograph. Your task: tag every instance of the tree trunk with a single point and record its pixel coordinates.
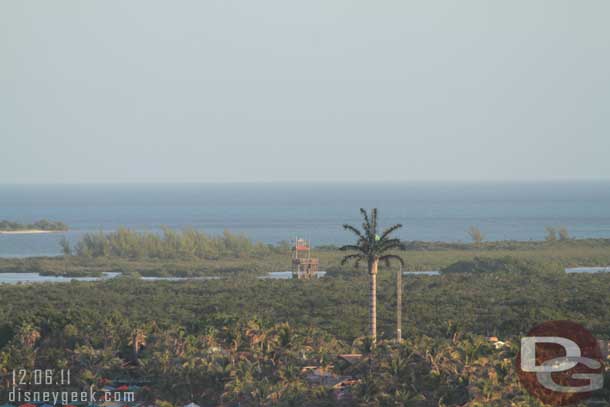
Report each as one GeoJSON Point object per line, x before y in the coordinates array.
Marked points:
{"type": "Point", "coordinates": [373, 299]}
{"type": "Point", "coordinates": [399, 305]}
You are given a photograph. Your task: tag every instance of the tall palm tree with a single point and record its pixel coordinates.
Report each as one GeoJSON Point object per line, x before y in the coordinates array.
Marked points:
{"type": "Point", "coordinates": [372, 248]}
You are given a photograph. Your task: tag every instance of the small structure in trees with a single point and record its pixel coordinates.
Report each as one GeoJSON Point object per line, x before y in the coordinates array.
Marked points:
{"type": "Point", "coordinates": [303, 265]}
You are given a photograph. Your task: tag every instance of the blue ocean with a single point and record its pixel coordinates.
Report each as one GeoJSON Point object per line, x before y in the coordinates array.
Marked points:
{"type": "Point", "coordinates": [272, 212]}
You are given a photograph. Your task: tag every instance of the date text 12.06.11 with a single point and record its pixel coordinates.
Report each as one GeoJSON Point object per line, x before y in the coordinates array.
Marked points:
{"type": "Point", "coordinates": [23, 377]}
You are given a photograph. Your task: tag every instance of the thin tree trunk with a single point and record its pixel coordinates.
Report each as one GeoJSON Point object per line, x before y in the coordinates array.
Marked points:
{"type": "Point", "coordinates": [373, 299]}
{"type": "Point", "coordinates": [399, 305]}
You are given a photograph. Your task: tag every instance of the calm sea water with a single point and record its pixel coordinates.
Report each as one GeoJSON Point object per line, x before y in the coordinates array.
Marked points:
{"type": "Point", "coordinates": [280, 211]}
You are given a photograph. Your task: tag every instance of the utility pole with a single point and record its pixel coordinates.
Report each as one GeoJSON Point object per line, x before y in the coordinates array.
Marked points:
{"type": "Point", "coordinates": [399, 305]}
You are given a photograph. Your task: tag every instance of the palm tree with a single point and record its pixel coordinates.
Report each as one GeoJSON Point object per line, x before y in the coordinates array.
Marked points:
{"type": "Point", "coordinates": [372, 248]}
{"type": "Point", "coordinates": [137, 341]}
{"type": "Point", "coordinates": [28, 336]}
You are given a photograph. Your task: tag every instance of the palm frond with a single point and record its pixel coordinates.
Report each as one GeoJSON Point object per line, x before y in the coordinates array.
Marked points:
{"type": "Point", "coordinates": [390, 243]}
{"type": "Point", "coordinates": [369, 246]}
{"type": "Point", "coordinates": [386, 246]}
{"type": "Point", "coordinates": [351, 247]}
{"type": "Point", "coordinates": [366, 225]}
{"type": "Point", "coordinates": [374, 222]}
{"type": "Point", "coordinates": [353, 230]}
{"type": "Point", "coordinates": [365, 215]}
{"type": "Point", "coordinates": [386, 259]}
{"type": "Point", "coordinates": [389, 230]}
{"type": "Point", "coordinates": [358, 257]}
{"type": "Point", "coordinates": [390, 240]}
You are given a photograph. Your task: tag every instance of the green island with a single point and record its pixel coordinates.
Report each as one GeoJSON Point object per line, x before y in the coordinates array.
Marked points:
{"type": "Point", "coordinates": [42, 225]}
{"type": "Point", "coordinates": [245, 341]}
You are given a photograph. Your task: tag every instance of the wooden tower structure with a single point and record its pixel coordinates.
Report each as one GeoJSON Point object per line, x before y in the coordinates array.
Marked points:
{"type": "Point", "coordinates": [303, 265]}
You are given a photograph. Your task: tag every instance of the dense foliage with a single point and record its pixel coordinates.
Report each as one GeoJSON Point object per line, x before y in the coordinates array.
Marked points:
{"type": "Point", "coordinates": [249, 257]}
{"type": "Point", "coordinates": [490, 265]}
{"type": "Point", "coordinates": [46, 225]}
{"type": "Point", "coordinates": [187, 244]}
{"type": "Point", "coordinates": [245, 340]}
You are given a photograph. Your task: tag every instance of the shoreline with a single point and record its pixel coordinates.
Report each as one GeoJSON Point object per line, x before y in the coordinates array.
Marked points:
{"type": "Point", "coordinates": [28, 231]}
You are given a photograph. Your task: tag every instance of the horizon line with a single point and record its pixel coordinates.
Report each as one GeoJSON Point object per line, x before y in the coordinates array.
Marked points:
{"type": "Point", "coordinates": [305, 181]}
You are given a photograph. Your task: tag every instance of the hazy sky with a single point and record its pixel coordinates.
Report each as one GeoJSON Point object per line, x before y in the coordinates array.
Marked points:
{"type": "Point", "coordinates": [104, 91]}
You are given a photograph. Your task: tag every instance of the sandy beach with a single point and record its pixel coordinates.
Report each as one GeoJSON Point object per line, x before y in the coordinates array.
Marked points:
{"type": "Point", "coordinates": [26, 232]}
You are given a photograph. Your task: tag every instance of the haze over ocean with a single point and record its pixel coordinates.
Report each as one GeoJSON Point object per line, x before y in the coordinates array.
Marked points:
{"type": "Point", "coordinates": [280, 211]}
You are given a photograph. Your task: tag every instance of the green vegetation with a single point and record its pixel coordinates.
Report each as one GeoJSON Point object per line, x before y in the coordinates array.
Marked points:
{"type": "Point", "coordinates": [553, 234]}
{"type": "Point", "coordinates": [476, 235]}
{"type": "Point", "coordinates": [246, 340]}
{"type": "Point", "coordinates": [494, 265]}
{"type": "Point", "coordinates": [260, 259]}
{"type": "Point", "coordinates": [83, 267]}
{"type": "Point", "coordinates": [188, 244]}
{"type": "Point", "coordinates": [46, 225]}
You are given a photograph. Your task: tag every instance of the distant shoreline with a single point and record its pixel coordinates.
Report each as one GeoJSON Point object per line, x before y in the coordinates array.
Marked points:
{"type": "Point", "coordinates": [28, 231]}
{"type": "Point", "coordinates": [42, 226]}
